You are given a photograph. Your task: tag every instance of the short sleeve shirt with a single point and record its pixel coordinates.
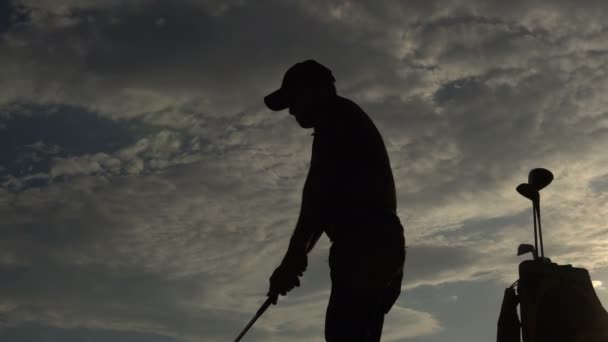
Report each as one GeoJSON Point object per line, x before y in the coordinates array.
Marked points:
{"type": "Point", "coordinates": [350, 176]}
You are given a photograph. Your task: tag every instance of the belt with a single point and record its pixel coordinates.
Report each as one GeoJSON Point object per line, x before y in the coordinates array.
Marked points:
{"type": "Point", "coordinates": [361, 224]}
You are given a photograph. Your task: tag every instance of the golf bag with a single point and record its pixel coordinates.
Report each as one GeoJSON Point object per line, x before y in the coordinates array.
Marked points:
{"type": "Point", "coordinates": [557, 304]}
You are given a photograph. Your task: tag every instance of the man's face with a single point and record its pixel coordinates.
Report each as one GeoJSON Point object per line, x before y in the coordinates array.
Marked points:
{"type": "Point", "coordinates": [304, 108]}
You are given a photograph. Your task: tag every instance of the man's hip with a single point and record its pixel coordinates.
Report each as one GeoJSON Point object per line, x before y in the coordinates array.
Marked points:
{"type": "Point", "coordinates": [369, 259]}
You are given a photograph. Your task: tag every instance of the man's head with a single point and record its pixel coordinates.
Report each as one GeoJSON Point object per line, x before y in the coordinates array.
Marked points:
{"type": "Point", "coordinates": [306, 87]}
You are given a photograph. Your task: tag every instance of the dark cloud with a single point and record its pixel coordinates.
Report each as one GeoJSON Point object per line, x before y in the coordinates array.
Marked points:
{"type": "Point", "coordinates": [105, 288]}
{"type": "Point", "coordinates": [39, 333]}
{"type": "Point", "coordinates": [45, 144]}
{"type": "Point", "coordinates": [148, 182]}
{"type": "Point", "coordinates": [600, 183]}
{"type": "Point", "coordinates": [218, 57]}
{"type": "Point", "coordinates": [134, 299]}
{"type": "Point", "coordinates": [12, 13]}
{"type": "Point", "coordinates": [34, 135]}
{"type": "Point", "coordinates": [67, 126]}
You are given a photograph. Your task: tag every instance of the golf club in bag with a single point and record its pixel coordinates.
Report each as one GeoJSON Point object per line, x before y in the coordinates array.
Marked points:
{"type": "Point", "coordinates": [557, 302]}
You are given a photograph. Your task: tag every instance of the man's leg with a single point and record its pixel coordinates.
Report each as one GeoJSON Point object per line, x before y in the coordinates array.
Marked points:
{"type": "Point", "coordinates": [362, 290]}
{"type": "Point", "coordinates": [354, 313]}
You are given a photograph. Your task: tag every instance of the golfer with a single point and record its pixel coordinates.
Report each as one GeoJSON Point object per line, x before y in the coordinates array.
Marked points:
{"type": "Point", "coordinates": [349, 195]}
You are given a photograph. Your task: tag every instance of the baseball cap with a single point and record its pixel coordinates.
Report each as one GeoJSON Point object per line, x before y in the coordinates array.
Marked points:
{"type": "Point", "coordinates": [300, 75]}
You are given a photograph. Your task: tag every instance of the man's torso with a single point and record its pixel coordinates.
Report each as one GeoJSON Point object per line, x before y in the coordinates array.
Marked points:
{"type": "Point", "coordinates": [350, 179]}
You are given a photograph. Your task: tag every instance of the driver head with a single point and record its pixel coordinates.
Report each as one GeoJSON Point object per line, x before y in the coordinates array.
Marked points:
{"type": "Point", "coordinates": [540, 178]}
{"type": "Point", "coordinates": [528, 191]}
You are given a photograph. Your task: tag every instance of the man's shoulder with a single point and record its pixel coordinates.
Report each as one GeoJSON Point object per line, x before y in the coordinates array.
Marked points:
{"type": "Point", "coordinates": [347, 112]}
{"type": "Point", "coordinates": [346, 105]}
{"type": "Point", "coordinates": [351, 117]}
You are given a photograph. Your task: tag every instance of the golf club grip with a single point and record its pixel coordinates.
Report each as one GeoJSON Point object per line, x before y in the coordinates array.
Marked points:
{"type": "Point", "coordinates": [269, 300]}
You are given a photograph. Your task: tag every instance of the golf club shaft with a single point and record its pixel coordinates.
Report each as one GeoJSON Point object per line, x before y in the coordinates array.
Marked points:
{"type": "Point", "coordinates": [535, 235]}
{"type": "Point", "coordinates": [540, 230]}
{"type": "Point", "coordinates": [255, 318]}
{"type": "Point", "coordinates": [273, 298]}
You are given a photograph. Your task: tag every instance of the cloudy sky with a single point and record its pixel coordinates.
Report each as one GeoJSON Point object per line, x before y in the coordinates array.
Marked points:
{"type": "Point", "coordinates": [146, 193]}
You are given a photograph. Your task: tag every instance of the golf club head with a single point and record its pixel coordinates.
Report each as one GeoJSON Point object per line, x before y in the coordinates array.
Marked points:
{"type": "Point", "coordinates": [528, 191]}
{"type": "Point", "coordinates": [540, 178]}
{"type": "Point", "coordinates": [525, 248]}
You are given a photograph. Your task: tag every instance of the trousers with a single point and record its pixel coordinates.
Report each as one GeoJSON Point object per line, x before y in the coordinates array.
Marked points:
{"type": "Point", "coordinates": [366, 261]}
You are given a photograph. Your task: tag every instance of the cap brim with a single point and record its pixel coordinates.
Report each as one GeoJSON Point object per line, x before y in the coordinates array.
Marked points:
{"type": "Point", "coordinates": [276, 100]}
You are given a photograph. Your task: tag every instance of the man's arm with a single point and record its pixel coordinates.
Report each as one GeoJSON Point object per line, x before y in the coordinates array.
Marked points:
{"type": "Point", "coordinates": [323, 188]}
{"type": "Point", "coordinates": [308, 230]}
{"type": "Point", "coordinates": [305, 235]}
{"type": "Point", "coordinates": [309, 226]}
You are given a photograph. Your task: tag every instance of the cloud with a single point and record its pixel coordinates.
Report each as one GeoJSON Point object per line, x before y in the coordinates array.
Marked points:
{"type": "Point", "coordinates": [136, 150]}
{"type": "Point", "coordinates": [598, 285]}
{"type": "Point", "coordinates": [305, 321]}
{"type": "Point", "coordinates": [403, 323]}
{"type": "Point", "coordinates": [34, 332]}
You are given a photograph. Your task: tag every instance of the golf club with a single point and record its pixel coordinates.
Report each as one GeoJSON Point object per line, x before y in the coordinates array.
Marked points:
{"type": "Point", "coordinates": [528, 192]}
{"type": "Point", "coordinates": [540, 178]}
{"type": "Point", "coordinates": [536, 205]}
{"type": "Point", "coordinates": [273, 298]}
{"type": "Point", "coordinates": [526, 248]}
{"type": "Point", "coordinates": [259, 313]}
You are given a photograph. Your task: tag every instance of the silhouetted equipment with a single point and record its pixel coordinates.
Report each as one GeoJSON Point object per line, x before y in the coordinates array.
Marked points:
{"type": "Point", "coordinates": [271, 299]}
{"type": "Point", "coordinates": [537, 180]}
{"type": "Point", "coordinates": [508, 321]}
{"type": "Point", "coordinates": [259, 313]}
{"type": "Point", "coordinates": [526, 248]}
{"type": "Point", "coordinates": [557, 302]}
{"type": "Point", "coordinates": [540, 178]}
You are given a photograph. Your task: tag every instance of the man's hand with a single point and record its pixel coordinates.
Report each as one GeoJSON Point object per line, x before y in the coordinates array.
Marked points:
{"type": "Point", "coordinates": [285, 277]}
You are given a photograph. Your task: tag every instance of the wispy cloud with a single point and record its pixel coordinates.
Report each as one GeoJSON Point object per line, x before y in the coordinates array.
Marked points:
{"type": "Point", "coordinates": [161, 193]}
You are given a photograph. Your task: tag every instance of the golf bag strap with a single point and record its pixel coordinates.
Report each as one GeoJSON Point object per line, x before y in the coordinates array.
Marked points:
{"type": "Point", "coordinates": [508, 321]}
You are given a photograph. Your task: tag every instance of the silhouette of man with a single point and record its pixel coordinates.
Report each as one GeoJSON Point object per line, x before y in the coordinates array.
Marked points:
{"type": "Point", "coordinates": [349, 194]}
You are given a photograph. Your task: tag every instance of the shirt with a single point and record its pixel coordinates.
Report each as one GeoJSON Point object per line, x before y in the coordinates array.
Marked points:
{"type": "Point", "coordinates": [350, 178]}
